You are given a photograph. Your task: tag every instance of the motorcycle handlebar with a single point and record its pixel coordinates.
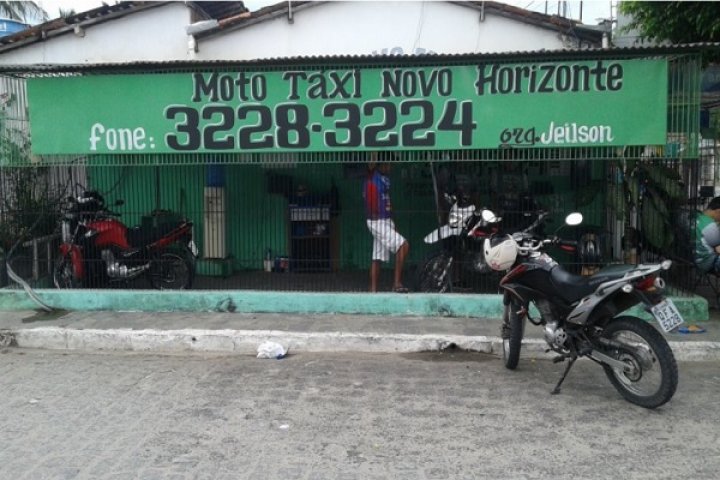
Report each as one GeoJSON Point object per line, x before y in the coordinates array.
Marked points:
{"type": "Point", "coordinates": [528, 242]}
{"type": "Point", "coordinates": [90, 206]}
{"type": "Point", "coordinates": [541, 218]}
{"type": "Point", "coordinates": [535, 245]}
{"type": "Point", "coordinates": [567, 243]}
{"type": "Point", "coordinates": [84, 200]}
{"type": "Point", "coordinates": [90, 214]}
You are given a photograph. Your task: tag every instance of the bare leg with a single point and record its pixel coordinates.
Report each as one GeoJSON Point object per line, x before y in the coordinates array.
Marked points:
{"type": "Point", "coordinates": [374, 275]}
{"type": "Point", "coordinates": [399, 262]}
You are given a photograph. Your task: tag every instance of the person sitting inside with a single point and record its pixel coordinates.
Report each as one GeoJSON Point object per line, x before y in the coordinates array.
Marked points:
{"type": "Point", "coordinates": [707, 238]}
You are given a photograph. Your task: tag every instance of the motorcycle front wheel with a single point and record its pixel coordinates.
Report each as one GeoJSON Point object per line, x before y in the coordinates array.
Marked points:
{"type": "Point", "coordinates": [435, 273]}
{"type": "Point", "coordinates": [650, 377]}
{"type": "Point", "coordinates": [64, 273]}
{"type": "Point", "coordinates": [513, 330]}
{"type": "Point", "coordinates": [172, 270]}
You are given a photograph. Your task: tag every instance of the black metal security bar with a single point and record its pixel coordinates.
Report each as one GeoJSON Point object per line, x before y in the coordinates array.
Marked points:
{"type": "Point", "coordinates": [296, 221]}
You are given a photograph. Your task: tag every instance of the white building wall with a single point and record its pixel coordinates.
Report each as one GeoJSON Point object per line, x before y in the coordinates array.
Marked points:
{"type": "Point", "coordinates": [157, 34]}
{"type": "Point", "coordinates": [361, 28]}
{"type": "Point", "coordinates": [333, 28]}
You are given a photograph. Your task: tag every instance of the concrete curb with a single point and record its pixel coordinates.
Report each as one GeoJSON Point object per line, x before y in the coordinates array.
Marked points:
{"type": "Point", "coordinates": [245, 342]}
{"type": "Point", "coordinates": [693, 308]}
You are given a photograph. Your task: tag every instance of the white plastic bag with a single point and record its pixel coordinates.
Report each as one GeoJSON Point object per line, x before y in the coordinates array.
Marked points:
{"type": "Point", "coordinates": [271, 350]}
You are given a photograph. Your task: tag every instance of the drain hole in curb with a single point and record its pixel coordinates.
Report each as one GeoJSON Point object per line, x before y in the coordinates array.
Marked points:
{"type": "Point", "coordinates": [193, 339]}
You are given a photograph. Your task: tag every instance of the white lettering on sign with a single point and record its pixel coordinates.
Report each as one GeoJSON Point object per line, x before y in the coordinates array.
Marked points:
{"type": "Point", "coordinates": [118, 139]}
{"type": "Point", "coordinates": [569, 133]}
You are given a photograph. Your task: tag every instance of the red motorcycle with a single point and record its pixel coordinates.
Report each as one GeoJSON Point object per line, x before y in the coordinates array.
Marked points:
{"type": "Point", "coordinates": [98, 250]}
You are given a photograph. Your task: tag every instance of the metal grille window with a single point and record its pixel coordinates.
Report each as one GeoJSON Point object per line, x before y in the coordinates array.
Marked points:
{"type": "Point", "coordinates": [296, 221]}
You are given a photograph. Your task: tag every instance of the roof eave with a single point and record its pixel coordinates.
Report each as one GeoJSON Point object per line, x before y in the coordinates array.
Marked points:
{"type": "Point", "coordinates": [59, 26]}
{"type": "Point", "coordinates": [259, 16]}
{"type": "Point", "coordinates": [548, 22]}
{"type": "Point", "coordinates": [362, 60]}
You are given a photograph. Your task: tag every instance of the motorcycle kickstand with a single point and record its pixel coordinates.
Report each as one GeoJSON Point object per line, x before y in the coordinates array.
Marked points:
{"type": "Point", "coordinates": [556, 390]}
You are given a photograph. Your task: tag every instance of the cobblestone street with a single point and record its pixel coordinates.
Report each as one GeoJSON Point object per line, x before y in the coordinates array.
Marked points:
{"type": "Point", "coordinates": [310, 416]}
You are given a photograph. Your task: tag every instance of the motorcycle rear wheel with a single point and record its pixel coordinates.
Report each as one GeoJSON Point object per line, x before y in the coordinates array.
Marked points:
{"type": "Point", "coordinates": [172, 270]}
{"type": "Point", "coordinates": [653, 377]}
{"type": "Point", "coordinates": [64, 273]}
{"type": "Point", "coordinates": [435, 273]}
{"type": "Point", "coordinates": [512, 335]}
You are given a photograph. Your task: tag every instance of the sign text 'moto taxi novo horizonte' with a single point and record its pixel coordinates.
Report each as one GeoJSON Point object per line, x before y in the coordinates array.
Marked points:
{"type": "Point", "coordinates": [545, 104]}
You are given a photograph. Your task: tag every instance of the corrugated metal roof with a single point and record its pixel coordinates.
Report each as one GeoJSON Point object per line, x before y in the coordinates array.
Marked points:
{"type": "Point", "coordinates": [552, 22]}
{"type": "Point", "coordinates": [60, 26]}
{"type": "Point", "coordinates": [428, 59]}
{"type": "Point", "coordinates": [100, 11]}
{"type": "Point", "coordinates": [223, 9]}
{"type": "Point", "coordinates": [217, 10]}
{"type": "Point", "coordinates": [234, 15]}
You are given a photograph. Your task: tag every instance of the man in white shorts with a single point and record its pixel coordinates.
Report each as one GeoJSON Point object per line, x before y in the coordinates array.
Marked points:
{"type": "Point", "coordinates": [378, 212]}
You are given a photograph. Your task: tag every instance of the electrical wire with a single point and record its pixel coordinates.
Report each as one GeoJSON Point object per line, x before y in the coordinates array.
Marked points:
{"type": "Point", "coordinates": [419, 27]}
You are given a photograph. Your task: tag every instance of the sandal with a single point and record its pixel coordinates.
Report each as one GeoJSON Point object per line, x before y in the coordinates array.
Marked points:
{"type": "Point", "coordinates": [691, 329]}
{"type": "Point", "coordinates": [400, 289]}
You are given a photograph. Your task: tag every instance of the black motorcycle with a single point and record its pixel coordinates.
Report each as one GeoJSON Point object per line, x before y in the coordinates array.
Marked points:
{"type": "Point", "coordinates": [583, 316]}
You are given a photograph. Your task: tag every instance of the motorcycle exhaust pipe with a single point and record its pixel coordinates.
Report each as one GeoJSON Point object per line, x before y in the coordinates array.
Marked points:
{"type": "Point", "coordinates": [117, 270]}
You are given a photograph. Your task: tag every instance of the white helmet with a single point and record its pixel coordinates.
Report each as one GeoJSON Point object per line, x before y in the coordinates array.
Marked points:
{"type": "Point", "coordinates": [500, 251]}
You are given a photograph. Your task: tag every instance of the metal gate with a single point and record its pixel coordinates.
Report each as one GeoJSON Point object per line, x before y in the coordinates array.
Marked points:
{"type": "Point", "coordinates": [279, 221]}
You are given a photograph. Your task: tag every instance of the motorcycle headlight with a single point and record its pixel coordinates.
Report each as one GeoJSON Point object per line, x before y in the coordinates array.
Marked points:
{"type": "Point", "coordinates": [454, 219]}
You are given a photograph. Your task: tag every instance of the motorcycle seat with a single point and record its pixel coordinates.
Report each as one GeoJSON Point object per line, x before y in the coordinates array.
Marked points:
{"type": "Point", "coordinates": [139, 237]}
{"type": "Point", "coordinates": [571, 287]}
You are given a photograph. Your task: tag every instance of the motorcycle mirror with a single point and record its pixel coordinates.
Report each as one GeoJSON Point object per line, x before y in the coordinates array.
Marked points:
{"type": "Point", "coordinates": [573, 219]}
{"type": "Point", "coordinates": [119, 203]}
{"type": "Point", "coordinates": [489, 216]}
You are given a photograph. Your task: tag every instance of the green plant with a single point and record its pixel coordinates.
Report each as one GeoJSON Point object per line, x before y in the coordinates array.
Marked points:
{"type": "Point", "coordinates": [26, 11]}
{"type": "Point", "coordinates": [29, 204]}
{"type": "Point", "coordinates": [676, 22]}
{"type": "Point", "coordinates": [651, 190]}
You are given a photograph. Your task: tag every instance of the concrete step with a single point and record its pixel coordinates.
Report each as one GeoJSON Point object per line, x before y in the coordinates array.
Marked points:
{"type": "Point", "coordinates": [242, 333]}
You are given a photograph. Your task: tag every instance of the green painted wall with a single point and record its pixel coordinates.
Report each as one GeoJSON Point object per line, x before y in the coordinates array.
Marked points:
{"type": "Point", "coordinates": [257, 199]}
{"type": "Point", "coordinates": [481, 306]}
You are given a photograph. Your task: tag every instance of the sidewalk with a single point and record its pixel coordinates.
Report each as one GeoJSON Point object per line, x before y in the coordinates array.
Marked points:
{"type": "Point", "coordinates": [241, 333]}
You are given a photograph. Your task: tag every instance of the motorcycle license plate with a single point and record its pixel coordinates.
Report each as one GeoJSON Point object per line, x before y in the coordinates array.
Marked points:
{"type": "Point", "coordinates": [667, 315]}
